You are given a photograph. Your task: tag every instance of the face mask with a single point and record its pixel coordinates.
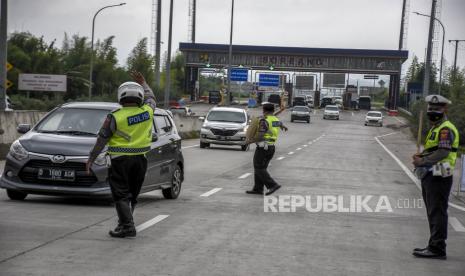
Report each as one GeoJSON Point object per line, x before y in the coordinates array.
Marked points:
{"type": "Point", "coordinates": [434, 116]}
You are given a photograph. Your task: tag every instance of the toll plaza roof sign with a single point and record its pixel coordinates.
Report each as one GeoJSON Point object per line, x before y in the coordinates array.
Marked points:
{"type": "Point", "coordinates": [268, 80]}
{"type": "Point", "coordinates": [296, 58]}
{"type": "Point", "coordinates": [42, 82]}
{"type": "Point", "coordinates": [239, 74]}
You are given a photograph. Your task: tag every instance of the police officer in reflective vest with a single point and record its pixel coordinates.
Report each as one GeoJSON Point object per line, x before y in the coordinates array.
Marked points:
{"type": "Point", "coordinates": [269, 127]}
{"type": "Point", "coordinates": [435, 166]}
{"type": "Point", "coordinates": [128, 133]}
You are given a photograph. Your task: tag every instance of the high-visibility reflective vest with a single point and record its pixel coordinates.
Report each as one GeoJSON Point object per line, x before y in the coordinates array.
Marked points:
{"type": "Point", "coordinates": [274, 125]}
{"type": "Point", "coordinates": [432, 141]}
{"type": "Point", "coordinates": [133, 134]}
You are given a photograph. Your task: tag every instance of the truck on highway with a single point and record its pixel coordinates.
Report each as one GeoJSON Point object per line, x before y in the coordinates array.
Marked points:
{"type": "Point", "coordinates": [364, 102]}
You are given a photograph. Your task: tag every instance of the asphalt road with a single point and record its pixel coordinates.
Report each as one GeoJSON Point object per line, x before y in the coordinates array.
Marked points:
{"type": "Point", "coordinates": [214, 228]}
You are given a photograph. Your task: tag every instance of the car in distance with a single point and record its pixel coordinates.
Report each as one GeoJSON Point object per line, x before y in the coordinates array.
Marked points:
{"type": "Point", "coordinates": [326, 101]}
{"type": "Point", "coordinates": [374, 118]}
{"type": "Point", "coordinates": [364, 102]}
{"type": "Point", "coordinates": [299, 101]}
{"type": "Point", "coordinates": [181, 111]}
{"type": "Point", "coordinates": [331, 112]}
{"type": "Point", "coordinates": [50, 158]}
{"type": "Point", "coordinates": [224, 126]}
{"type": "Point", "coordinates": [300, 113]}
{"type": "Point", "coordinates": [274, 98]}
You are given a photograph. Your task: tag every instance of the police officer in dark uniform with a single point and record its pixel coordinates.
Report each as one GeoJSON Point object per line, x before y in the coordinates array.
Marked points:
{"type": "Point", "coordinates": [435, 166]}
{"type": "Point", "coordinates": [269, 127]}
{"type": "Point", "coordinates": [128, 133]}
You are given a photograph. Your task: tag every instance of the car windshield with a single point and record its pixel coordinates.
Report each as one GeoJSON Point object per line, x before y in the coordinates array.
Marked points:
{"type": "Point", "coordinates": [301, 109]}
{"type": "Point", "coordinates": [332, 108]}
{"type": "Point", "coordinates": [74, 121]}
{"type": "Point", "coordinates": [374, 114]}
{"type": "Point", "coordinates": [226, 116]}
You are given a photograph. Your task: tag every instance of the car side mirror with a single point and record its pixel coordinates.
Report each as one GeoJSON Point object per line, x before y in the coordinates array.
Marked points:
{"type": "Point", "coordinates": [167, 128]}
{"type": "Point", "coordinates": [23, 128]}
{"type": "Point", "coordinates": [154, 137]}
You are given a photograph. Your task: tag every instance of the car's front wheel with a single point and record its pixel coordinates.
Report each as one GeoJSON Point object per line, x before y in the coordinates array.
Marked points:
{"type": "Point", "coordinates": [16, 195]}
{"type": "Point", "coordinates": [176, 181]}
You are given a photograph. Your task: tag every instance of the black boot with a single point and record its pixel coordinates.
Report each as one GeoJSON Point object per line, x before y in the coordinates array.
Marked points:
{"type": "Point", "coordinates": [125, 226]}
{"type": "Point", "coordinates": [122, 231]}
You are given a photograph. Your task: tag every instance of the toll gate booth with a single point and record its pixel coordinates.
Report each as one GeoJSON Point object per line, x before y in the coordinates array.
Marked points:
{"type": "Point", "coordinates": [295, 59]}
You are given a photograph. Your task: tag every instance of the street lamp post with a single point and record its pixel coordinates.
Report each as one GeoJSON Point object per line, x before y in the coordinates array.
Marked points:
{"type": "Point", "coordinates": [442, 48]}
{"type": "Point", "coordinates": [228, 95]}
{"type": "Point", "coordinates": [92, 45]}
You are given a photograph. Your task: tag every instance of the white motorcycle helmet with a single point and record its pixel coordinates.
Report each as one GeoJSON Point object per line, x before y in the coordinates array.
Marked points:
{"type": "Point", "coordinates": [131, 89]}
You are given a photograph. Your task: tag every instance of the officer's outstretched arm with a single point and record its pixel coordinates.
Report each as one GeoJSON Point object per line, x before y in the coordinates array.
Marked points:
{"type": "Point", "coordinates": [149, 97]}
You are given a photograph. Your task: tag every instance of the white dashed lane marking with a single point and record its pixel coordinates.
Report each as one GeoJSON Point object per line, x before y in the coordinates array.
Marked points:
{"type": "Point", "coordinates": [280, 158]}
{"type": "Point", "coordinates": [298, 148]}
{"type": "Point", "coordinates": [456, 224]}
{"type": "Point", "coordinates": [245, 175]}
{"type": "Point", "coordinates": [151, 222]}
{"type": "Point", "coordinates": [291, 153]}
{"type": "Point", "coordinates": [212, 191]}
{"type": "Point", "coordinates": [194, 146]}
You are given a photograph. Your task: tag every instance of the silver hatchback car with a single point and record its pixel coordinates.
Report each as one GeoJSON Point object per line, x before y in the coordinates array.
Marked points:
{"type": "Point", "coordinates": [50, 157]}
{"type": "Point", "coordinates": [224, 126]}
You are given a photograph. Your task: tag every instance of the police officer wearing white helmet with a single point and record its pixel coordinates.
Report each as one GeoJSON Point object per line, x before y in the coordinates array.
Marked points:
{"type": "Point", "coordinates": [434, 167]}
{"type": "Point", "coordinates": [128, 133]}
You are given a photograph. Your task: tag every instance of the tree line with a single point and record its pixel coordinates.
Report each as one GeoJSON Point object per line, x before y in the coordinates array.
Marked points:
{"type": "Point", "coordinates": [31, 54]}
{"type": "Point", "coordinates": [452, 87]}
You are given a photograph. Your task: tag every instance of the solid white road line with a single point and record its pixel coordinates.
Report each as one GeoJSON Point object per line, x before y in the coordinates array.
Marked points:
{"type": "Point", "coordinates": [398, 120]}
{"type": "Point", "coordinates": [194, 146]}
{"type": "Point", "coordinates": [410, 174]}
{"type": "Point", "coordinates": [151, 222]}
{"type": "Point", "coordinates": [456, 224]}
{"type": "Point", "coordinates": [245, 175]}
{"type": "Point", "coordinates": [291, 153]}
{"type": "Point", "coordinates": [212, 191]}
{"type": "Point", "coordinates": [280, 158]}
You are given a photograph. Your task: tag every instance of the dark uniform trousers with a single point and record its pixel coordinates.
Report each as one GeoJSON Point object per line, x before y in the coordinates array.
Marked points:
{"type": "Point", "coordinates": [436, 190]}
{"type": "Point", "coordinates": [261, 160]}
{"type": "Point", "coordinates": [127, 174]}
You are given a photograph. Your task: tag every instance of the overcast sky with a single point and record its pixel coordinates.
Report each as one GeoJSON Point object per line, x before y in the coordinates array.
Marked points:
{"type": "Point", "coordinates": [367, 24]}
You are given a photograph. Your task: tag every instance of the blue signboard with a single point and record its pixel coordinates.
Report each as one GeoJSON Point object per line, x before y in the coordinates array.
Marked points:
{"type": "Point", "coordinates": [239, 74]}
{"type": "Point", "coordinates": [415, 87]}
{"type": "Point", "coordinates": [268, 80]}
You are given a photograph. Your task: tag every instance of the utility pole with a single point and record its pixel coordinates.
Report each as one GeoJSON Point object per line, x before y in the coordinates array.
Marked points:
{"type": "Point", "coordinates": [402, 24]}
{"type": "Point", "coordinates": [158, 44]}
{"type": "Point", "coordinates": [426, 78]}
{"type": "Point", "coordinates": [457, 41]}
{"type": "Point", "coordinates": [3, 56]}
{"type": "Point", "coordinates": [228, 94]}
{"type": "Point", "coordinates": [168, 59]}
{"type": "Point", "coordinates": [194, 11]}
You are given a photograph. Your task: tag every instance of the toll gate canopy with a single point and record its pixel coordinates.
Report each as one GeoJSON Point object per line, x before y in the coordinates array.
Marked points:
{"type": "Point", "coordinates": [296, 59]}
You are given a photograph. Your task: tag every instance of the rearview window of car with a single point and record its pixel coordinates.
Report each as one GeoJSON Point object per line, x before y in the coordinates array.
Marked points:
{"type": "Point", "coordinates": [332, 108]}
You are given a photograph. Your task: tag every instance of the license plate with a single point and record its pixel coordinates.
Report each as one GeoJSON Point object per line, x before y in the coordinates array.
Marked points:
{"type": "Point", "coordinates": [56, 174]}
{"type": "Point", "coordinates": [222, 138]}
